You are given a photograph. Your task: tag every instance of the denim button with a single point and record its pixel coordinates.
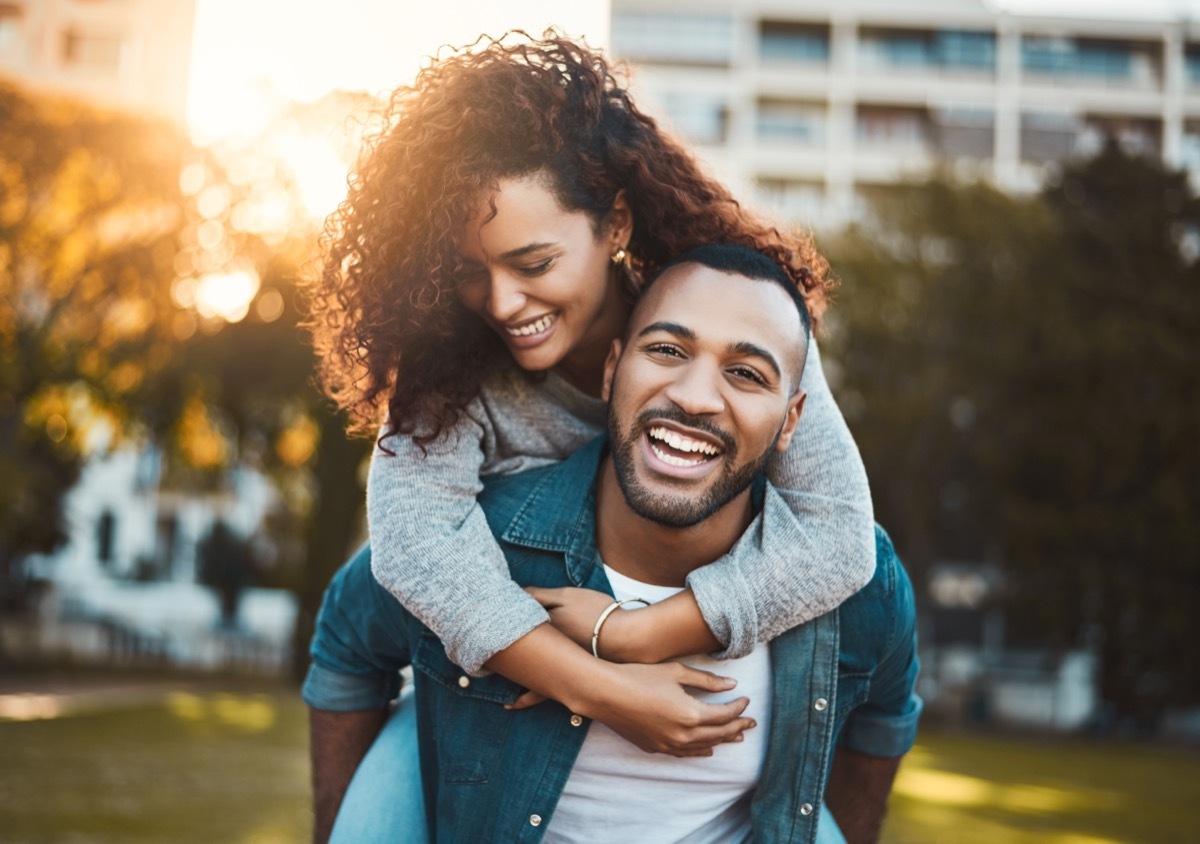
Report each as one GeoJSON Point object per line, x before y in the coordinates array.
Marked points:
{"type": "Point", "coordinates": [820, 704]}
{"type": "Point", "coordinates": [806, 809]}
{"type": "Point", "coordinates": [535, 820]}
{"type": "Point", "coordinates": [464, 681]}
{"type": "Point", "coordinates": [576, 720]}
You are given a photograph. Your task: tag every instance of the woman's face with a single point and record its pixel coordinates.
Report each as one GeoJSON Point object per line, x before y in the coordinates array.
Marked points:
{"type": "Point", "coordinates": [543, 278]}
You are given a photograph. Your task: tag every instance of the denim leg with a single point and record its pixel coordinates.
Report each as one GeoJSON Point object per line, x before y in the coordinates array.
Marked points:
{"type": "Point", "coordinates": [828, 831]}
{"type": "Point", "coordinates": [384, 801]}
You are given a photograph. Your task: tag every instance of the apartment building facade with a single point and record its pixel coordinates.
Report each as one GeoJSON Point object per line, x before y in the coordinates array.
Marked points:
{"type": "Point", "coordinates": [809, 104]}
{"type": "Point", "coordinates": [129, 54]}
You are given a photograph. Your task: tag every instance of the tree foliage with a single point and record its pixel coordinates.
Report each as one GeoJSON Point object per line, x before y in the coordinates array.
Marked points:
{"type": "Point", "coordinates": [1022, 377]}
{"type": "Point", "coordinates": [90, 219]}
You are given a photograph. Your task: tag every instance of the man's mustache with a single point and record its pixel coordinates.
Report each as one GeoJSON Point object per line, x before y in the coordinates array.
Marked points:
{"type": "Point", "coordinates": [674, 414]}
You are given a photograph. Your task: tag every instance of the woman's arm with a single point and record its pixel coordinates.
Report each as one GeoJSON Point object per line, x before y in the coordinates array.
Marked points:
{"type": "Point", "coordinates": [812, 547]}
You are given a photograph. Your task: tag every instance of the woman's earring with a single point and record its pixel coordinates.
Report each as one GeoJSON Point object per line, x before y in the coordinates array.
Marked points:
{"type": "Point", "coordinates": [619, 256]}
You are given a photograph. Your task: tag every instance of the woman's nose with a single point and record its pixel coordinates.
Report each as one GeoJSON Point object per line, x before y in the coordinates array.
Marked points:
{"type": "Point", "coordinates": [505, 297]}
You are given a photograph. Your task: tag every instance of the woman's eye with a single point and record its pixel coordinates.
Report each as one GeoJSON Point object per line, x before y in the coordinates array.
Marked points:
{"type": "Point", "coordinates": [536, 269]}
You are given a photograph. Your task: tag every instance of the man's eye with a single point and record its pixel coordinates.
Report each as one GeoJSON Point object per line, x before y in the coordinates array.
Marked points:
{"type": "Point", "coordinates": [745, 373]}
{"type": "Point", "coordinates": [665, 349]}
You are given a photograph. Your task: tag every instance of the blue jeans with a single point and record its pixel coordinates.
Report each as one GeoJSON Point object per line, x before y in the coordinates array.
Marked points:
{"type": "Point", "coordinates": [384, 801]}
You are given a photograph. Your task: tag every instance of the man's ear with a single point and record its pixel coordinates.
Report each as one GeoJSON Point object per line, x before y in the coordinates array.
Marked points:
{"type": "Point", "coordinates": [610, 367]}
{"type": "Point", "coordinates": [620, 221]}
{"type": "Point", "coordinates": [795, 408]}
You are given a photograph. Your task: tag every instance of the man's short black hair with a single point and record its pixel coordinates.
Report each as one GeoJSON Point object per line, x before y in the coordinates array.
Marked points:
{"type": "Point", "coordinates": [747, 262]}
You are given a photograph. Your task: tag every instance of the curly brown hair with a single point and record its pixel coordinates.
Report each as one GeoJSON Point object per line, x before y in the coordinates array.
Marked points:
{"type": "Point", "coordinates": [384, 313]}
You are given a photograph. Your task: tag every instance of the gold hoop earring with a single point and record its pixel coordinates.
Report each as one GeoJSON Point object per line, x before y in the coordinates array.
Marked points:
{"type": "Point", "coordinates": [619, 256]}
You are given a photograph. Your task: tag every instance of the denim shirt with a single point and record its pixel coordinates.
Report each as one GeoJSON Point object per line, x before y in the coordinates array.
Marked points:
{"type": "Point", "coordinates": [844, 679]}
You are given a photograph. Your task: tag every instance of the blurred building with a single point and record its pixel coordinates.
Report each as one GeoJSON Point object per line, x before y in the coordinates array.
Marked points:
{"type": "Point", "coordinates": [131, 54]}
{"type": "Point", "coordinates": [126, 586]}
{"type": "Point", "coordinates": [811, 104]}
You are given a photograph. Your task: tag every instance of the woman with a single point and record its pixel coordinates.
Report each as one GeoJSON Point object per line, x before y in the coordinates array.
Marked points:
{"type": "Point", "coordinates": [494, 234]}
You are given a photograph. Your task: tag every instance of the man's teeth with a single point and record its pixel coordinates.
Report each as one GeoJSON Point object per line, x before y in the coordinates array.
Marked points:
{"type": "Point", "coordinates": [536, 327]}
{"type": "Point", "coordinates": [682, 443]}
{"type": "Point", "coordinates": [672, 460]}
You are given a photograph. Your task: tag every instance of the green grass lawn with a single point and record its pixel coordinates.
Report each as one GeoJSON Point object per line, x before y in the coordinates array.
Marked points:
{"type": "Point", "coordinates": [232, 767]}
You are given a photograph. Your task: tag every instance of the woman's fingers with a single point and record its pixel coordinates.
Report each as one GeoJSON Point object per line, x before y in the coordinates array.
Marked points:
{"type": "Point", "coordinates": [526, 700]}
{"type": "Point", "coordinates": [704, 680]}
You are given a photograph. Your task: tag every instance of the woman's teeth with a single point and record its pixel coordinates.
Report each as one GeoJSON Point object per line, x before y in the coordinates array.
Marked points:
{"type": "Point", "coordinates": [535, 327]}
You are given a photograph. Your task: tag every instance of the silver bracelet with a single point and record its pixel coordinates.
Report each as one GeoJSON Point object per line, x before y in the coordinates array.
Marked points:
{"type": "Point", "coordinates": [609, 610]}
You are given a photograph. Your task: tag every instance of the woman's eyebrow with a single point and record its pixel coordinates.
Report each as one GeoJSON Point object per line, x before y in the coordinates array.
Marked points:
{"type": "Point", "coordinates": [524, 250]}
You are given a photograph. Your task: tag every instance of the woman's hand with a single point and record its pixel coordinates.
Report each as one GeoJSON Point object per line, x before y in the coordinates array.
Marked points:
{"type": "Point", "coordinates": [648, 706]}
{"type": "Point", "coordinates": [666, 630]}
{"type": "Point", "coordinates": [574, 611]}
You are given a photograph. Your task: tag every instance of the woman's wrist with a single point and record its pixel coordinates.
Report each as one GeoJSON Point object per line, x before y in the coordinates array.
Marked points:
{"type": "Point", "coordinates": [628, 636]}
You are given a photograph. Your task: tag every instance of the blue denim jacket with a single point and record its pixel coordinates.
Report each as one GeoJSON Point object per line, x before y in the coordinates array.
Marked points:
{"type": "Point", "coordinates": [844, 679]}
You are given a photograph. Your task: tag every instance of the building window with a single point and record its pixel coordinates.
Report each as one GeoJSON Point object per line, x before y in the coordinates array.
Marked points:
{"type": "Point", "coordinates": [935, 50]}
{"type": "Point", "coordinates": [92, 51]}
{"type": "Point", "coordinates": [10, 26]}
{"type": "Point", "coordinates": [792, 199]}
{"type": "Point", "coordinates": [673, 39]}
{"type": "Point", "coordinates": [106, 529]}
{"type": "Point", "coordinates": [790, 122]}
{"type": "Point", "coordinates": [1048, 136]}
{"type": "Point", "coordinates": [699, 118]}
{"type": "Point", "coordinates": [890, 127]}
{"type": "Point", "coordinates": [1094, 59]}
{"type": "Point", "coordinates": [793, 42]}
{"type": "Point", "coordinates": [964, 131]}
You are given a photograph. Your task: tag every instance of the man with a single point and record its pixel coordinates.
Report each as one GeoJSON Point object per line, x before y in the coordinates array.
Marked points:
{"type": "Point", "coordinates": [701, 391]}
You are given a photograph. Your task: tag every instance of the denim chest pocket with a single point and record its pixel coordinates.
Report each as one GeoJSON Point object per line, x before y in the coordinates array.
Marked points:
{"type": "Point", "coordinates": [473, 721]}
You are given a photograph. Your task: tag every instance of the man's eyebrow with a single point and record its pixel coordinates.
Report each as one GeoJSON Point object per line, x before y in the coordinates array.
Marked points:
{"type": "Point", "coordinates": [754, 350]}
{"type": "Point", "coordinates": [669, 327]}
{"type": "Point", "coordinates": [744, 348]}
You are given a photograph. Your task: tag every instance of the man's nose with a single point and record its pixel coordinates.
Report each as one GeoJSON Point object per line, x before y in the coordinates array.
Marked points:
{"type": "Point", "coordinates": [505, 297]}
{"type": "Point", "coordinates": [696, 389]}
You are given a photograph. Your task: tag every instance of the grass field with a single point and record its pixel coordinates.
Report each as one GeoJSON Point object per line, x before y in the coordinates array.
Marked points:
{"type": "Point", "coordinates": [232, 767]}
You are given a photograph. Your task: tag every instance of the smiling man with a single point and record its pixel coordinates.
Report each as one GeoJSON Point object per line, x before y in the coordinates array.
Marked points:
{"type": "Point", "coordinates": [701, 391]}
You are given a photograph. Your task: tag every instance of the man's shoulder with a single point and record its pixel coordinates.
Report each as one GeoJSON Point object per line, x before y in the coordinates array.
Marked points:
{"type": "Point", "coordinates": [873, 617]}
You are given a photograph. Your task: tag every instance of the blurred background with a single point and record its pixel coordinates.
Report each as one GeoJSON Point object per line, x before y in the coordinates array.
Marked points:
{"type": "Point", "coordinates": [1006, 190]}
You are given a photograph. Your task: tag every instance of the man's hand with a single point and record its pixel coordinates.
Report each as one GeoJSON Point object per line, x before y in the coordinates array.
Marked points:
{"type": "Point", "coordinates": [338, 741]}
{"type": "Point", "coordinates": [858, 791]}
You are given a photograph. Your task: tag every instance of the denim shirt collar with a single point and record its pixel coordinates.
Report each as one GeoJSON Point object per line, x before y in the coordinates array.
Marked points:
{"type": "Point", "coordinates": [559, 514]}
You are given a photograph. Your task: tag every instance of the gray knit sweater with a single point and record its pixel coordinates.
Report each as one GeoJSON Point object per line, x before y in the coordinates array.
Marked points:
{"type": "Point", "coordinates": [811, 547]}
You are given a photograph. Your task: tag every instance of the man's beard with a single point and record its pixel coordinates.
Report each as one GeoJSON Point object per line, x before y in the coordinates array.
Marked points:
{"type": "Point", "coordinates": [682, 510]}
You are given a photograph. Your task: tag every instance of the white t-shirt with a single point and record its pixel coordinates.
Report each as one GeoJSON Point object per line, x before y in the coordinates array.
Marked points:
{"type": "Point", "coordinates": [619, 793]}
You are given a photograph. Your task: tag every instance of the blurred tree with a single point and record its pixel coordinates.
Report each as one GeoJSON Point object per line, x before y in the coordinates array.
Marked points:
{"type": "Point", "coordinates": [91, 216]}
{"type": "Point", "coordinates": [1021, 375]}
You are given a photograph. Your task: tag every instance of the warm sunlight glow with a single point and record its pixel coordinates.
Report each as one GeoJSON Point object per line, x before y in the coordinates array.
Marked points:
{"type": "Point", "coordinates": [319, 172]}
{"type": "Point", "coordinates": [226, 295]}
{"type": "Point", "coordinates": [252, 56]}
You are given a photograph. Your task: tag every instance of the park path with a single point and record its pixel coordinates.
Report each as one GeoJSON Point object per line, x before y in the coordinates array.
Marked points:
{"type": "Point", "coordinates": [35, 698]}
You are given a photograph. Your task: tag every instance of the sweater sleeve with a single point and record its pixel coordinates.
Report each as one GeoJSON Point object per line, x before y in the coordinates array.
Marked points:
{"type": "Point", "coordinates": [432, 547]}
{"type": "Point", "coordinates": [813, 544]}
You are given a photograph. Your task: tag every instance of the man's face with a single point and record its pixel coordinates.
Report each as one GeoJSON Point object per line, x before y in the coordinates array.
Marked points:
{"type": "Point", "coordinates": [702, 392]}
